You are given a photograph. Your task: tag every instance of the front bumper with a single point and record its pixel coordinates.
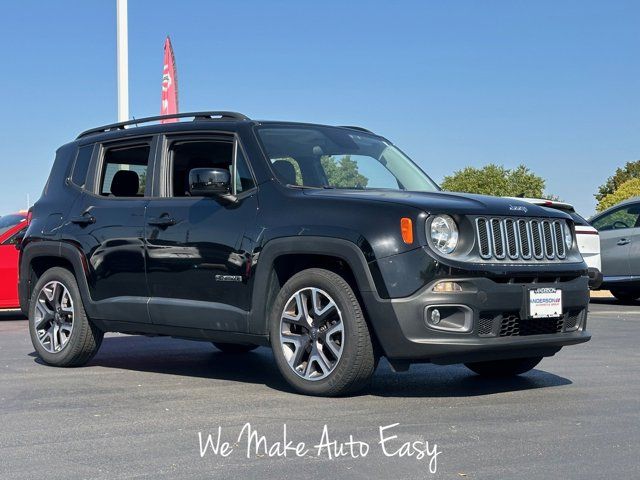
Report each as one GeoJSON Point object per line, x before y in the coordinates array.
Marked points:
{"type": "Point", "coordinates": [500, 328]}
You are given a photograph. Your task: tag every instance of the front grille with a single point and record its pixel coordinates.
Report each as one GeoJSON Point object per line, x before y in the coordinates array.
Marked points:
{"type": "Point", "coordinates": [511, 229]}
{"type": "Point", "coordinates": [521, 239]}
{"type": "Point", "coordinates": [485, 324]}
{"type": "Point", "coordinates": [572, 320]}
{"type": "Point", "coordinates": [513, 325]}
{"type": "Point", "coordinates": [509, 324]}
{"type": "Point", "coordinates": [483, 237]}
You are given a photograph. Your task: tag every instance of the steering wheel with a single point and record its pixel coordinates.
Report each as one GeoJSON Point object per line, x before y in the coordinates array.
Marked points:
{"type": "Point", "coordinates": [620, 224]}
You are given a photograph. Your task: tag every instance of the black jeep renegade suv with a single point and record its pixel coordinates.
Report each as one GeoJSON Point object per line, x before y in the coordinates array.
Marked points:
{"type": "Point", "coordinates": [326, 243]}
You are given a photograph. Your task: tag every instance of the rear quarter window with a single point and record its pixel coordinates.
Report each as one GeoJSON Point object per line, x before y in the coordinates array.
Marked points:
{"type": "Point", "coordinates": [81, 165]}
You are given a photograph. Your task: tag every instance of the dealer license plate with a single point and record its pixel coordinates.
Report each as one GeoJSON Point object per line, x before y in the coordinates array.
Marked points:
{"type": "Point", "coordinates": [545, 303]}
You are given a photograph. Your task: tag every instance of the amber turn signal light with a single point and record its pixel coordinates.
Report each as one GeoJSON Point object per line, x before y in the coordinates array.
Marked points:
{"type": "Point", "coordinates": [406, 229]}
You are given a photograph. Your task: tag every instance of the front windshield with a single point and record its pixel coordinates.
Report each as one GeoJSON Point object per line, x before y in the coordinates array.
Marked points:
{"type": "Point", "coordinates": [9, 221]}
{"type": "Point", "coordinates": [329, 157]}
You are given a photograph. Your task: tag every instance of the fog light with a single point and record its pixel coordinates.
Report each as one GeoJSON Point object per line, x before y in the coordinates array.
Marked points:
{"type": "Point", "coordinates": [450, 318]}
{"type": "Point", "coordinates": [442, 287]}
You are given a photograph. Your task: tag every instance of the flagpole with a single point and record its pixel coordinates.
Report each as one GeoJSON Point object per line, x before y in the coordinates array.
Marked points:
{"type": "Point", "coordinates": [122, 53]}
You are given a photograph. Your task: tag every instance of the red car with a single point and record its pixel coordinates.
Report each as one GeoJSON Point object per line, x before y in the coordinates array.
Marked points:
{"type": "Point", "coordinates": [12, 228]}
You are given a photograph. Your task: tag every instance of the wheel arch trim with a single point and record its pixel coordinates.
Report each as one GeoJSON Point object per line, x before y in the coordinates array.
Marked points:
{"type": "Point", "coordinates": [55, 250]}
{"type": "Point", "coordinates": [302, 245]}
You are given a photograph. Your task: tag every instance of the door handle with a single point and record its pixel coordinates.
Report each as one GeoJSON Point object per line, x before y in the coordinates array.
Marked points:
{"type": "Point", "coordinates": [162, 222]}
{"type": "Point", "coordinates": [624, 241]}
{"type": "Point", "coordinates": [83, 220]}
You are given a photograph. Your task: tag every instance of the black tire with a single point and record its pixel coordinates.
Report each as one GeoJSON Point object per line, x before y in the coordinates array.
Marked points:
{"type": "Point", "coordinates": [504, 368]}
{"type": "Point", "coordinates": [85, 338]}
{"type": "Point", "coordinates": [354, 368]}
{"type": "Point", "coordinates": [625, 295]}
{"type": "Point", "coordinates": [234, 348]}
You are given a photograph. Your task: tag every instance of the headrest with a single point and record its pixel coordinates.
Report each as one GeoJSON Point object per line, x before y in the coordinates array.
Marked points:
{"type": "Point", "coordinates": [285, 171]}
{"type": "Point", "coordinates": [125, 183]}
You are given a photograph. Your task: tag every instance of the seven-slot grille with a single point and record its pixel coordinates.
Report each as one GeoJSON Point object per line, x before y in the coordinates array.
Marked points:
{"type": "Point", "coordinates": [521, 239]}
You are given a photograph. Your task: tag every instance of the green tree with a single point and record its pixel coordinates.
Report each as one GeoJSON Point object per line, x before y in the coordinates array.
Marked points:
{"type": "Point", "coordinates": [142, 178]}
{"type": "Point", "coordinates": [343, 173]}
{"type": "Point", "coordinates": [629, 171]}
{"type": "Point", "coordinates": [628, 189]}
{"type": "Point", "coordinates": [496, 180]}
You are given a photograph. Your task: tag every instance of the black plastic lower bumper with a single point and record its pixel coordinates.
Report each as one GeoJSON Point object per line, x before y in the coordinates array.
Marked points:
{"type": "Point", "coordinates": [500, 327]}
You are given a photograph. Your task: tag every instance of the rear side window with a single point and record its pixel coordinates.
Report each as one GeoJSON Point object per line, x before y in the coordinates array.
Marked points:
{"type": "Point", "coordinates": [81, 166]}
{"type": "Point", "coordinates": [124, 171]}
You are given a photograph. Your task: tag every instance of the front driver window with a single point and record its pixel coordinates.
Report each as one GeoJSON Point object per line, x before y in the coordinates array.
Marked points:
{"type": "Point", "coordinates": [625, 217]}
{"type": "Point", "coordinates": [189, 154]}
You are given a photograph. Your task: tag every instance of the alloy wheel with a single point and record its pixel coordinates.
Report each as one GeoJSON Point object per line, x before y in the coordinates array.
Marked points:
{"type": "Point", "coordinates": [53, 319]}
{"type": "Point", "coordinates": [311, 333]}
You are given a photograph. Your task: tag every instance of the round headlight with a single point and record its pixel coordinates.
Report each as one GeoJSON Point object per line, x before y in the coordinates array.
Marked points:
{"type": "Point", "coordinates": [444, 233]}
{"type": "Point", "coordinates": [568, 237]}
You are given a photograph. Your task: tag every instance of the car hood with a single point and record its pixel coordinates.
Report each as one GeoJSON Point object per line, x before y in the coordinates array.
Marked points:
{"type": "Point", "coordinates": [445, 202]}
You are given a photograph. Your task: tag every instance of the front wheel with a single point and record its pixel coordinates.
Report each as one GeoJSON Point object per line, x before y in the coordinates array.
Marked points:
{"type": "Point", "coordinates": [504, 368]}
{"type": "Point", "coordinates": [319, 335]}
{"type": "Point", "coordinates": [60, 330]}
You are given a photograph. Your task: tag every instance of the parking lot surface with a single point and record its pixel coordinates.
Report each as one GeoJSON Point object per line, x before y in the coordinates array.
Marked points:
{"type": "Point", "coordinates": [137, 410]}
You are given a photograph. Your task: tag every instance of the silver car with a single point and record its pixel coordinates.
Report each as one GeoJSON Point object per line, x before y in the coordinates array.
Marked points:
{"type": "Point", "coordinates": [619, 228]}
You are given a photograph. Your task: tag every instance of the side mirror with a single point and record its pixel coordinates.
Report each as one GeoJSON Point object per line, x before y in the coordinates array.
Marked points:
{"type": "Point", "coordinates": [16, 241]}
{"type": "Point", "coordinates": [209, 182]}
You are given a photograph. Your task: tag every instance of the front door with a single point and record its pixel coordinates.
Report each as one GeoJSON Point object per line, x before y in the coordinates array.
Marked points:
{"type": "Point", "coordinates": [197, 255]}
{"type": "Point", "coordinates": [9, 270]}
{"type": "Point", "coordinates": [619, 241]}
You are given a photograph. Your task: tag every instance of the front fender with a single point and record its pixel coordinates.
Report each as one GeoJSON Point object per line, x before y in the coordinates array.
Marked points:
{"type": "Point", "coordinates": [345, 250]}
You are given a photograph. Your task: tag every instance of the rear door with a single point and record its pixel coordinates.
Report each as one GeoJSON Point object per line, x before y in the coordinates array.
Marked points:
{"type": "Point", "coordinates": [619, 241]}
{"type": "Point", "coordinates": [108, 222]}
{"type": "Point", "coordinates": [198, 259]}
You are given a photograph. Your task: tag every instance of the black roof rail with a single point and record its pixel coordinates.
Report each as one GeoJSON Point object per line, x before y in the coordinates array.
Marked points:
{"type": "Point", "coordinates": [196, 116]}
{"type": "Point", "coordinates": [361, 129]}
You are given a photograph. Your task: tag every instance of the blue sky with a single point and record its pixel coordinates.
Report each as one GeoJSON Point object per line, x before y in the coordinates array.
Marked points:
{"type": "Point", "coordinates": [553, 85]}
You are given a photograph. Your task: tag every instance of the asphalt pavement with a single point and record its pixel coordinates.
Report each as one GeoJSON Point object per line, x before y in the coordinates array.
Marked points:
{"type": "Point", "coordinates": [145, 407]}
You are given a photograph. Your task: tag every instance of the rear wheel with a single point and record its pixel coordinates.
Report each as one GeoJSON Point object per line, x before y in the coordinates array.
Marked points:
{"type": "Point", "coordinates": [60, 330]}
{"type": "Point", "coordinates": [625, 295]}
{"type": "Point", "coordinates": [234, 348]}
{"type": "Point", "coordinates": [504, 368]}
{"type": "Point", "coordinates": [320, 339]}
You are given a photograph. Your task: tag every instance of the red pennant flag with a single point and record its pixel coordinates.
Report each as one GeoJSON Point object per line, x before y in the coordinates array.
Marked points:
{"type": "Point", "coordinates": [169, 103]}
